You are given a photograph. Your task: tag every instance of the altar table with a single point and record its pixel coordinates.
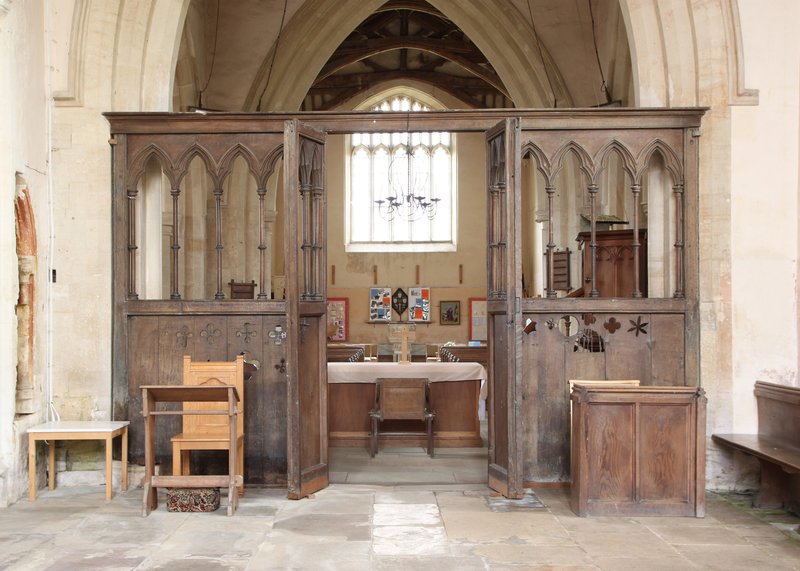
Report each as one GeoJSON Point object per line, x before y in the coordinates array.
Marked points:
{"type": "Point", "coordinates": [455, 390]}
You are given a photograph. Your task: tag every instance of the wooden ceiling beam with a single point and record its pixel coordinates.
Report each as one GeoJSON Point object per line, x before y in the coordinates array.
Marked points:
{"type": "Point", "coordinates": [444, 48]}
{"type": "Point", "coordinates": [431, 77]}
{"type": "Point", "coordinates": [413, 5]}
{"type": "Point", "coordinates": [336, 90]}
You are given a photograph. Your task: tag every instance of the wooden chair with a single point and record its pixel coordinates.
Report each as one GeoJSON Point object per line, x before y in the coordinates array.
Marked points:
{"type": "Point", "coordinates": [209, 431]}
{"type": "Point", "coordinates": [401, 399]}
{"type": "Point", "coordinates": [243, 290]}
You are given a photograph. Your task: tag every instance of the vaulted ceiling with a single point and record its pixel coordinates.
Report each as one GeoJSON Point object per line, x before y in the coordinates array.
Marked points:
{"type": "Point", "coordinates": [408, 40]}
{"type": "Point", "coordinates": [229, 47]}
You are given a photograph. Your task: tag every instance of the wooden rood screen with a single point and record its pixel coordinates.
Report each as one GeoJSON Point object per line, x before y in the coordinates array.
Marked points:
{"type": "Point", "coordinates": [201, 202]}
{"type": "Point", "coordinates": [626, 198]}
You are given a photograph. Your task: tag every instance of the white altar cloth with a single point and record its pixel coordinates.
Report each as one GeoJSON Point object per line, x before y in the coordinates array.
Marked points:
{"type": "Point", "coordinates": [435, 372]}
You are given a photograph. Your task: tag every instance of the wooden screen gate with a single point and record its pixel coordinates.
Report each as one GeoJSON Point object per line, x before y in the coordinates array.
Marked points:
{"type": "Point", "coordinates": [553, 176]}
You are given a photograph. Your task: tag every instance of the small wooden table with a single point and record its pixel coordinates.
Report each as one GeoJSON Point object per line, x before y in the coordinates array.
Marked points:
{"type": "Point", "coordinates": [152, 394]}
{"type": "Point", "coordinates": [76, 430]}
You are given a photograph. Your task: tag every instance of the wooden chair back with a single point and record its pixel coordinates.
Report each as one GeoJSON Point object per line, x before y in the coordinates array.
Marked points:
{"type": "Point", "coordinates": [243, 290]}
{"type": "Point", "coordinates": [212, 373]}
{"type": "Point", "coordinates": [402, 399]}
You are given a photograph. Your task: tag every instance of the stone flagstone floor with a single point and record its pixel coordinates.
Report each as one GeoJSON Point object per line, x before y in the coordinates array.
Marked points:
{"type": "Point", "coordinates": [398, 519]}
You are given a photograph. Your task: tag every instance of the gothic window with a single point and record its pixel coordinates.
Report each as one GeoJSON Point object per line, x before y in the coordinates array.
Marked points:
{"type": "Point", "coordinates": [401, 187]}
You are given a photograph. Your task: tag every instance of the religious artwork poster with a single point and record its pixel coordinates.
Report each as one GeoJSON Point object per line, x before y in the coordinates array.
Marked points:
{"type": "Point", "coordinates": [419, 304]}
{"type": "Point", "coordinates": [337, 319]}
{"type": "Point", "coordinates": [450, 313]}
{"type": "Point", "coordinates": [400, 302]}
{"type": "Point", "coordinates": [380, 304]}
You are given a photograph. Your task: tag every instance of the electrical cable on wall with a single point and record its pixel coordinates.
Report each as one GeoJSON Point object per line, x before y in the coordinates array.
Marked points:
{"type": "Point", "coordinates": [603, 86]}
{"type": "Point", "coordinates": [541, 56]}
{"type": "Point", "coordinates": [274, 53]}
{"type": "Point", "coordinates": [213, 60]}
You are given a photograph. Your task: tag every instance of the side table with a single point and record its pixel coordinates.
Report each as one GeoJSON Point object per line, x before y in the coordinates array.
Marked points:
{"type": "Point", "coordinates": [76, 430]}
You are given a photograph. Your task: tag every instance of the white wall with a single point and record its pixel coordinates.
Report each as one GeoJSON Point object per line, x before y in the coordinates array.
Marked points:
{"type": "Point", "coordinates": [23, 151]}
{"type": "Point", "coordinates": [764, 205]}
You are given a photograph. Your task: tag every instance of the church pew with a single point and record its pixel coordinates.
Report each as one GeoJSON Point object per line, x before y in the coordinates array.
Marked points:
{"type": "Point", "coordinates": [776, 446]}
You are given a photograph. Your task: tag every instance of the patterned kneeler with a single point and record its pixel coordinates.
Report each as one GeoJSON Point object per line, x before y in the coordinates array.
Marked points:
{"type": "Point", "coordinates": [192, 499]}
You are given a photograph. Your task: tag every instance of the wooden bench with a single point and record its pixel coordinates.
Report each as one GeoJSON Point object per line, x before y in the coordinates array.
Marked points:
{"type": "Point", "coordinates": [340, 353]}
{"type": "Point", "coordinates": [776, 446]}
{"type": "Point", "coordinates": [466, 353]}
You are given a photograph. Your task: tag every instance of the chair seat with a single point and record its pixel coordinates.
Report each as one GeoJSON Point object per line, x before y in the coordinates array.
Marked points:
{"type": "Point", "coordinates": [222, 440]}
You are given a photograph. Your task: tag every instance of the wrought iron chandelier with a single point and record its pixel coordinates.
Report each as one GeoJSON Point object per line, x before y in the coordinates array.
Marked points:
{"type": "Point", "coordinates": [409, 190]}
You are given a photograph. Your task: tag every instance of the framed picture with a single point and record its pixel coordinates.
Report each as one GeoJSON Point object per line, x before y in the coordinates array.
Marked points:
{"type": "Point", "coordinates": [380, 304]}
{"type": "Point", "coordinates": [419, 304]}
{"type": "Point", "coordinates": [477, 319]}
{"type": "Point", "coordinates": [337, 319]}
{"type": "Point", "coordinates": [450, 313]}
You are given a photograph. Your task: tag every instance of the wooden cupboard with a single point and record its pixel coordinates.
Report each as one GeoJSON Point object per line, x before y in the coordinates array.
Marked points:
{"type": "Point", "coordinates": [638, 451]}
{"type": "Point", "coordinates": [615, 263]}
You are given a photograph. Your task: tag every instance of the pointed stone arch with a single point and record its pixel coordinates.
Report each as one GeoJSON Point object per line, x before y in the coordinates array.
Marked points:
{"type": "Point", "coordinates": [319, 27]}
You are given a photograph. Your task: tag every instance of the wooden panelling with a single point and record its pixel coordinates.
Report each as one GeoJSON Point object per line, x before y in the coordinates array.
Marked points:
{"type": "Point", "coordinates": [551, 416]}
{"type": "Point", "coordinates": [669, 350]}
{"type": "Point", "coordinates": [666, 435]}
{"type": "Point", "coordinates": [498, 389]}
{"type": "Point", "coordinates": [551, 360]}
{"type": "Point", "coordinates": [157, 344]}
{"type": "Point", "coordinates": [638, 450]}
{"type": "Point", "coordinates": [269, 463]}
{"type": "Point", "coordinates": [609, 435]}
{"type": "Point", "coordinates": [143, 347]}
{"type": "Point", "coordinates": [628, 355]}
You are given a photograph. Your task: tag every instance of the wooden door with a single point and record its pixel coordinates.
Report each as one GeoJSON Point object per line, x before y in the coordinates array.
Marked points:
{"type": "Point", "coordinates": [504, 287]}
{"type": "Point", "coordinates": [305, 261]}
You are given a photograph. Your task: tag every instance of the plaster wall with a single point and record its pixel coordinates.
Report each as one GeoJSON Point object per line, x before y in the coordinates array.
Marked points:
{"type": "Point", "coordinates": [764, 207]}
{"type": "Point", "coordinates": [124, 45]}
{"type": "Point", "coordinates": [23, 160]}
{"type": "Point", "coordinates": [81, 296]}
